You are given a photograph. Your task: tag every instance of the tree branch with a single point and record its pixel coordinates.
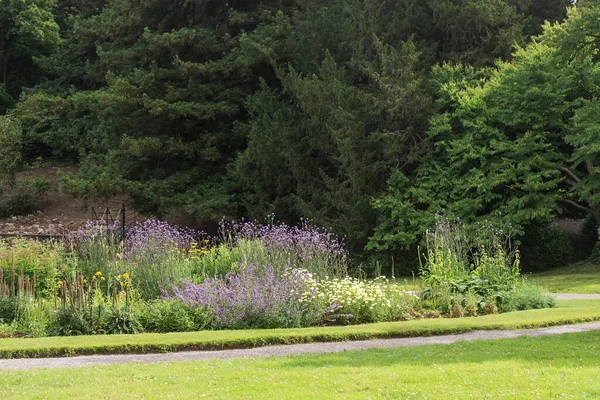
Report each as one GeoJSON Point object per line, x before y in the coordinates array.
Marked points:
{"type": "Point", "coordinates": [590, 167]}
{"type": "Point", "coordinates": [577, 205]}
{"type": "Point", "coordinates": [570, 174]}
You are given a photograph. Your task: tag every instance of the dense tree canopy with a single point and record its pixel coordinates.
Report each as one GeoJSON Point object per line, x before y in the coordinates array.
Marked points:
{"type": "Point", "coordinates": [512, 145]}
{"type": "Point", "coordinates": [367, 116]}
{"type": "Point", "coordinates": [27, 30]}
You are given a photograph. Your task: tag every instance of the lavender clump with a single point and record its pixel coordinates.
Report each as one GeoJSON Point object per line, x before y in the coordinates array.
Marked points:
{"type": "Point", "coordinates": [155, 254]}
{"type": "Point", "coordinates": [300, 247]}
{"type": "Point", "coordinates": [151, 237]}
{"type": "Point", "coordinates": [250, 299]}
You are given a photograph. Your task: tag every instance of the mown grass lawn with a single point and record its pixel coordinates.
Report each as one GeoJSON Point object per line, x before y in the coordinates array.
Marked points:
{"type": "Point", "coordinates": [583, 277]}
{"type": "Point", "coordinates": [524, 368]}
{"type": "Point", "coordinates": [570, 311]}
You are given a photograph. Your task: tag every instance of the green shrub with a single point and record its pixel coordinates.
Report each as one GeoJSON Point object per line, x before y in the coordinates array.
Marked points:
{"type": "Point", "coordinates": [526, 296]}
{"type": "Point", "coordinates": [40, 185]}
{"type": "Point", "coordinates": [121, 321]}
{"type": "Point", "coordinates": [20, 199]}
{"type": "Point", "coordinates": [7, 330]}
{"type": "Point", "coordinates": [32, 318]}
{"type": "Point", "coordinates": [66, 322]}
{"type": "Point", "coordinates": [545, 247]}
{"type": "Point", "coordinates": [165, 316]}
{"type": "Point", "coordinates": [8, 309]}
{"type": "Point", "coordinates": [471, 304]}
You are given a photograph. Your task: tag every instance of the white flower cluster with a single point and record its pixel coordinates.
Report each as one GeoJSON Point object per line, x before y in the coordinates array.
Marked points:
{"type": "Point", "coordinates": [349, 292]}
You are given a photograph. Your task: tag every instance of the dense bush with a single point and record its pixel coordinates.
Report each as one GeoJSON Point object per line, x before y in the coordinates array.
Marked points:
{"type": "Point", "coordinates": [526, 296]}
{"type": "Point", "coordinates": [171, 316]}
{"type": "Point", "coordinates": [20, 199]}
{"type": "Point", "coordinates": [545, 247]}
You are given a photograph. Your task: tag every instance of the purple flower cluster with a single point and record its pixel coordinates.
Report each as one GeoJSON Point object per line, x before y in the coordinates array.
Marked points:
{"type": "Point", "coordinates": [256, 297]}
{"type": "Point", "coordinates": [153, 237]}
{"type": "Point", "coordinates": [304, 244]}
{"type": "Point", "coordinates": [94, 229]}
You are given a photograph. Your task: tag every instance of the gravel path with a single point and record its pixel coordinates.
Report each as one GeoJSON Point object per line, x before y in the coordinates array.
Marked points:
{"type": "Point", "coordinates": [569, 296]}
{"type": "Point", "coordinates": [313, 348]}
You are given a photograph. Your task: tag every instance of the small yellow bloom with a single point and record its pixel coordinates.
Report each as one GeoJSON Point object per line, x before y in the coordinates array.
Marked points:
{"type": "Point", "coordinates": [125, 275]}
{"type": "Point", "coordinates": [103, 279]}
{"type": "Point", "coordinates": [118, 276]}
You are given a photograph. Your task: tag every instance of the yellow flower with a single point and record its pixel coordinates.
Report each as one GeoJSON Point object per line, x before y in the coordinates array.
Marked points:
{"type": "Point", "coordinates": [85, 281]}
{"type": "Point", "coordinates": [125, 275]}
{"type": "Point", "coordinates": [118, 276]}
{"type": "Point", "coordinates": [103, 278]}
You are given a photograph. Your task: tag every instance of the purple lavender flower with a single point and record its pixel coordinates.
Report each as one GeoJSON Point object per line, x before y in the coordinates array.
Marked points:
{"type": "Point", "coordinates": [301, 247]}
{"type": "Point", "coordinates": [155, 237]}
{"type": "Point", "coordinates": [255, 297]}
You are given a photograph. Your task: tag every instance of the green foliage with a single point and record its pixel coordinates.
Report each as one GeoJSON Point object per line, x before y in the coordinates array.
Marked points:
{"type": "Point", "coordinates": [121, 321]}
{"type": "Point", "coordinates": [32, 318]}
{"type": "Point", "coordinates": [20, 199]}
{"type": "Point", "coordinates": [463, 268]}
{"type": "Point", "coordinates": [475, 170]}
{"type": "Point", "coordinates": [527, 296]}
{"type": "Point", "coordinates": [40, 185]}
{"type": "Point", "coordinates": [351, 134]}
{"type": "Point", "coordinates": [10, 148]}
{"type": "Point", "coordinates": [545, 247]}
{"type": "Point", "coordinates": [44, 260]}
{"type": "Point", "coordinates": [67, 322]}
{"type": "Point", "coordinates": [8, 309]}
{"type": "Point", "coordinates": [147, 94]}
{"type": "Point", "coordinates": [200, 109]}
{"type": "Point", "coordinates": [164, 316]}
{"type": "Point", "coordinates": [27, 31]}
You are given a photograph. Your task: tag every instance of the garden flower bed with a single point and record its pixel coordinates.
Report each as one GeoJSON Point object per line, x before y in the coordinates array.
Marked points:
{"type": "Point", "coordinates": [165, 279]}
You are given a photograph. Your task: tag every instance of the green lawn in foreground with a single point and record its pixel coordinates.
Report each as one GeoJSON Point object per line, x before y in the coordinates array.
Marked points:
{"type": "Point", "coordinates": [568, 312]}
{"type": "Point", "coordinates": [524, 368]}
{"type": "Point", "coordinates": [581, 278]}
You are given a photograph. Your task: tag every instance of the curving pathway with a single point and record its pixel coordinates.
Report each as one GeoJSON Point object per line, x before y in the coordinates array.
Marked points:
{"type": "Point", "coordinates": [569, 296]}
{"type": "Point", "coordinates": [287, 350]}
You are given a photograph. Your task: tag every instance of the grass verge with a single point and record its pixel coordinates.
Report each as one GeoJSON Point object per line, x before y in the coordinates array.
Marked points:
{"type": "Point", "coordinates": [582, 278]}
{"type": "Point", "coordinates": [568, 312]}
{"type": "Point", "coordinates": [564, 366]}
